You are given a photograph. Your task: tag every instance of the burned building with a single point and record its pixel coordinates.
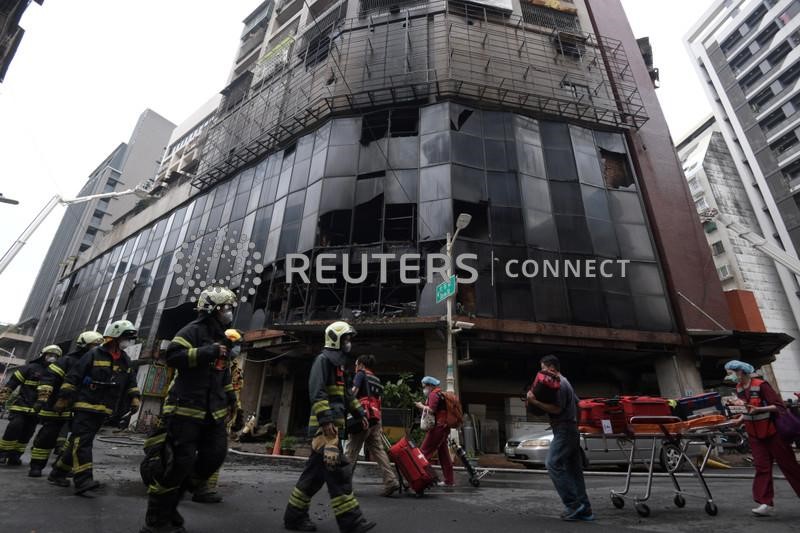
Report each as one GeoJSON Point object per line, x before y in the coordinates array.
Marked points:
{"type": "Point", "coordinates": [366, 128]}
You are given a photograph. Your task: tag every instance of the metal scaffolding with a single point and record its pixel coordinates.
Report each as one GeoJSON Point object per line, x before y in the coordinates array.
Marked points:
{"type": "Point", "coordinates": [442, 50]}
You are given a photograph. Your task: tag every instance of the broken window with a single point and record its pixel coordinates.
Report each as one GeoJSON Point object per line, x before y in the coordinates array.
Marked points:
{"type": "Point", "coordinates": [404, 122]}
{"type": "Point", "coordinates": [374, 126]}
{"type": "Point", "coordinates": [368, 214]}
{"type": "Point", "coordinates": [400, 222]}
{"type": "Point", "coordinates": [479, 225]}
{"type": "Point", "coordinates": [616, 173]}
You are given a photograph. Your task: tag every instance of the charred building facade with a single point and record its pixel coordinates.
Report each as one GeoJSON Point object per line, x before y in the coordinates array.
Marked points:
{"type": "Point", "coordinates": [366, 128]}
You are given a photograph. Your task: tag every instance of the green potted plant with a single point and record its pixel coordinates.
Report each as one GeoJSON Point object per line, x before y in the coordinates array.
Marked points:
{"type": "Point", "coordinates": [398, 402]}
{"type": "Point", "coordinates": [288, 444]}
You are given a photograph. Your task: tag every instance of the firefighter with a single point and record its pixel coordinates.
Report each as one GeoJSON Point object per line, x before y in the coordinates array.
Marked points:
{"type": "Point", "coordinates": [93, 387]}
{"type": "Point", "coordinates": [207, 492]}
{"type": "Point", "coordinates": [327, 464]}
{"type": "Point", "coordinates": [200, 398]}
{"type": "Point", "coordinates": [22, 413]}
{"type": "Point", "coordinates": [52, 422]}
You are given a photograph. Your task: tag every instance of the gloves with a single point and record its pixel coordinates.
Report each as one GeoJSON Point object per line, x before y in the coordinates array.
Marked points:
{"type": "Point", "coordinates": [329, 447]}
{"type": "Point", "coordinates": [61, 405]}
{"type": "Point", "coordinates": [135, 404]}
{"type": "Point", "coordinates": [5, 394]}
{"type": "Point", "coordinates": [38, 406]}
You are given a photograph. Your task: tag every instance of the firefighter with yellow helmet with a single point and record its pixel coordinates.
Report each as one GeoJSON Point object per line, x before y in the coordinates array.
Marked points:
{"type": "Point", "coordinates": [23, 412]}
{"type": "Point", "coordinates": [93, 386]}
{"type": "Point", "coordinates": [199, 399]}
{"type": "Point", "coordinates": [330, 403]}
{"type": "Point", "coordinates": [49, 385]}
{"type": "Point", "coordinates": [207, 492]}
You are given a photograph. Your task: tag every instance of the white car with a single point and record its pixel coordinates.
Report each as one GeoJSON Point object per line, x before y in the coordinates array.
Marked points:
{"type": "Point", "coordinates": [531, 451]}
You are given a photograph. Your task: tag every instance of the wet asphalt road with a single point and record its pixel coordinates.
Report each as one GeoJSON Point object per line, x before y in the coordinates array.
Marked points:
{"type": "Point", "coordinates": [256, 493]}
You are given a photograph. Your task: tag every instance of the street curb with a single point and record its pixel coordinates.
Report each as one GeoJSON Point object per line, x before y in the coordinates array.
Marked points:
{"type": "Point", "coordinates": [286, 460]}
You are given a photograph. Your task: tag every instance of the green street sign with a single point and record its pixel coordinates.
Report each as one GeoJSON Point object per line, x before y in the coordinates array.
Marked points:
{"type": "Point", "coordinates": [446, 289]}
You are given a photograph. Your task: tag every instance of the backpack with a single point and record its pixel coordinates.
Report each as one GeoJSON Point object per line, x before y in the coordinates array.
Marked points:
{"type": "Point", "coordinates": [455, 415]}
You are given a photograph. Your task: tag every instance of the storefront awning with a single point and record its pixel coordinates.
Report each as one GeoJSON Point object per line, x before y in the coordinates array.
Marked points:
{"type": "Point", "coordinates": [755, 347]}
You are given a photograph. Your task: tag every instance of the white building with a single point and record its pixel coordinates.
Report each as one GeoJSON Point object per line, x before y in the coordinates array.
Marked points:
{"type": "Point", "coordinates": [714, 182]}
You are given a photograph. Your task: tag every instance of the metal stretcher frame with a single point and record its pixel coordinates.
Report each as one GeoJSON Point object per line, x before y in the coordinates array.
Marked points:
{"type": "Point", "coordinates": [679, 441]}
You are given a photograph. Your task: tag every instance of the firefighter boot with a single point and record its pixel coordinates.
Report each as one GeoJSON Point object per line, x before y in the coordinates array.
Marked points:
{"type": "Point", "coordinates": [203, 495]}
{"type": "Point", "coordinates": [58, 478]}
{"type": "Point", "coordinates": [13, 459]}
{"type": "Point", "coordinates": [162, 516]}
{"type": "Point", "coordinates": [86, 485]}
{"type": "Point", "coordinates": [35, 471]}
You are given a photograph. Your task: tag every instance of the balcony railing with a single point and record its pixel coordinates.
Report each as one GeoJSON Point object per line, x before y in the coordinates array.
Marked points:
{"type": "Point", "coordinates": [488, 59]}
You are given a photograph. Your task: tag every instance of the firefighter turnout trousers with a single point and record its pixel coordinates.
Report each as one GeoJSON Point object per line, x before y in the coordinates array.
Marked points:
{"type": "Point", "coordinates": [199, 448]}
{"type": "Point", "coordinates": [20, 429]}
{"type": "Point", "coordinates": [340, 488]}
{"type": "Point", "coordinates": [77, 454]}
{"type": "Point", "coordinates": [46, 439]}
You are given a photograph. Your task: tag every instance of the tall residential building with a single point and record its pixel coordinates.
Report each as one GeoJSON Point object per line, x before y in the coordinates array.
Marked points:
{"type": "Point", "coordinates": [125, 167]}
{"type": "Point", "coordinates": [749, 277]}
{"type": "Point", "coordinates": [747, 53]}
{"type": "Point", "coordinates": [367, 127]}
{"type": "Point", "coordinates": [182, 156]}
{"type": "Point", "coordinates": [11, 33]}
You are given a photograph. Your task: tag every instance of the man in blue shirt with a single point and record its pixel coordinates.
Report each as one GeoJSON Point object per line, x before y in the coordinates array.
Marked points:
{"type": "Point", "coordinates": [564, 459]}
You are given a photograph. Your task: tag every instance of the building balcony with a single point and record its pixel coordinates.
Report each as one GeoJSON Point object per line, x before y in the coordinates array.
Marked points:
{"type": "Point", "coordinates": [495, 61]}
{"type": "Point", "coordinates": [787, 156]}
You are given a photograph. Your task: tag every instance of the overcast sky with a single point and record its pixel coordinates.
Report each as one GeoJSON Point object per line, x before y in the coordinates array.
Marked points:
{"type": "Point", "coordinates": [86, 70]}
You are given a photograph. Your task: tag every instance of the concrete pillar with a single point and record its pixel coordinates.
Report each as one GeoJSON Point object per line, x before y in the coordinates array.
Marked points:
{"type": "Point", "coordinates": [285, 409]}
{"type": "Point", "coordinates": [436, 359]}
{"type": "Point", "coordinates": [678, 375]}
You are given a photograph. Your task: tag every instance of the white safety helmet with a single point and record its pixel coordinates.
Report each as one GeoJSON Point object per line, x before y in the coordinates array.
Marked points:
{"type": "Point", "coordinates": [335, 332]}
{"type": "Point", "coordinates": [52, 349]}
{"type": "Point", "coordinates": [88, 338]}
{"type": "Point", "coordinates": [213, 297]}
{"type": "Point", "coordinates": [120, 329]}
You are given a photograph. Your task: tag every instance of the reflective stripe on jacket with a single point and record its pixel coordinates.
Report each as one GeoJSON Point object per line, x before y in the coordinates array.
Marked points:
{"type": "Point", "coordinates": [200, 386]}
{"type": "Point", "coordinates": [97, 381]}
{"type": "Point", "coordinates": [758, 425]}
{"type": "Point", "coordinates": [27, 379]}
{"type": "Point", "coordinates": [330, 402]}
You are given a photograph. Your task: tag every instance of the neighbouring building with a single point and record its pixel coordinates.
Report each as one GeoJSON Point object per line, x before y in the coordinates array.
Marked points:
{"type": "Point", "coordinates": [368, 127]}
{"type": "Point", "coordinates": [749, 277]}
{"type": "Point", "coordinates": [128, 165]}
{"type": "Point", "coordinates": [747, 53]}
{"type": "Point", "coordinates": [11, 12]}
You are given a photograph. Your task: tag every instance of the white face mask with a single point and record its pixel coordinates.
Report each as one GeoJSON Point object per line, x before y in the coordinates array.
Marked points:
{"type": "Point", "coordinates": [347, 346]}
{"type": "Point", "coordinates": [226, 317]}
{"type": "Point", "coordinates": [50, 358]}
{"type": "Point", "coordinates": [124, 344]}
{"type": "Point", "coordinates": [426, 390]}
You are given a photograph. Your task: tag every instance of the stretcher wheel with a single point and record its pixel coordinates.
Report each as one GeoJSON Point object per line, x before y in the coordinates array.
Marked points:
{"type": "Point", "coordinates": [711, 509]}
{"type": "Point", "coordinates": [679, 500]}
{"type": "Point", "coordinates": [475, 482]}
{"type": "Point", "coordinates": [643, 510]}
{"type": "Point", "coordinates": [618, 501]}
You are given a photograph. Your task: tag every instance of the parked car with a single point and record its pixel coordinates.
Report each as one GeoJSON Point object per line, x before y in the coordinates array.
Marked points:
{"type": "Point", "coordinates": [531, 451]}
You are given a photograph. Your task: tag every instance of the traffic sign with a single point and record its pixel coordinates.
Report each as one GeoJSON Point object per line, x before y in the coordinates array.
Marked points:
{"type": "Point", "coordinates": [446, 289]}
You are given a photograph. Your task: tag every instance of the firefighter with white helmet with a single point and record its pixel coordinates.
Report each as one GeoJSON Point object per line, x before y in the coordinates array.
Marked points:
{"type": "Point", "coordinates": [23, 412]}
{"type": "Point", "coordinates": [93, 387]}
{"type": "Point", "coordinates": [193, 418]}
{"type": "Point", "coordinates": [330, 403]}
{"type": "Point", "coordinates": [50, 383]}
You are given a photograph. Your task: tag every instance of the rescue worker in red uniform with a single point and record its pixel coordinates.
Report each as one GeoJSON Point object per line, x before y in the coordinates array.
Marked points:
{"type": "Point", "coordinates": [435, 441]}
{"type": "Point", "coordinates": [368, 389]}
{"type": "Point", "coordinates": [93, 387]}
{"type": "Point", "coordinates": [200, 398]}
{"type": "Point", "coordinates": [49, 384]}
{"type": "Point", "coordinates": [23, 412]}
{"type": "Point", "coordinates": [327, 465]}
{"type": "Point", "coordinates": [768, 447]}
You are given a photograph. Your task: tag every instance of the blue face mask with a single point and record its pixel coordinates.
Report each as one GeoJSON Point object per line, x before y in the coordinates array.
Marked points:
{"type": "Point", "coordinates": [731, 378]}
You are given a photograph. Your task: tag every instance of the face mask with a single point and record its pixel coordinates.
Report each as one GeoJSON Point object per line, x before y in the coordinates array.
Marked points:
{"type": "Point", "coordinates": [124, 344]}
{"type": "Point", "coordinates": [731, 378]}
{"type": "Point", "coordinates": [426, 390]}
{"type": "Point", "coordinates": [235, 351]}
{"type": "Point", "coordinates": [226, 317]}
{"type": "Point", "coordinates": [50, 359]}
{"type": "Point", "coordinates": [347, 346]}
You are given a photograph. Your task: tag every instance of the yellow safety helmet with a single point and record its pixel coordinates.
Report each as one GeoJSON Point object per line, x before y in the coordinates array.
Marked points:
{"type": "Point", "coordinates": [335, 332]}
{"type": "Point", "coordinates": [213, 297]}
{"type": "Point", "coordinates": [88, 337]}
{"type": "Point", "coordinates": [52, 349]}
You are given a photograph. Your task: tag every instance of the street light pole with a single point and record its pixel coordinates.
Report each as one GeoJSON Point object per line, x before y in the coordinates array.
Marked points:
{"type": "Point", "coordinates": [47, 209]}
{"type": "Point", "coordinates": [461, 223]}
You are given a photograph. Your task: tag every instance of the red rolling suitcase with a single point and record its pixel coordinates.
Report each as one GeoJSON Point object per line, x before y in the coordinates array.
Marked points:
{"type": "Point", "coordinates": [412, 465]}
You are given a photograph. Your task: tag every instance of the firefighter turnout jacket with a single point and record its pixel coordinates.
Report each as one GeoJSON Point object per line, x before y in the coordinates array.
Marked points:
{"type": "Point", "coordinates": [50, 382]}
{"type": "Point", "coordinates": [27, 379]}
{"type": "Point", "coordinates": [98, 379]}
{"type": "Point", "coordinates": [202, 385]}
{"type": "Point", "coordinates": [330, 402]}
